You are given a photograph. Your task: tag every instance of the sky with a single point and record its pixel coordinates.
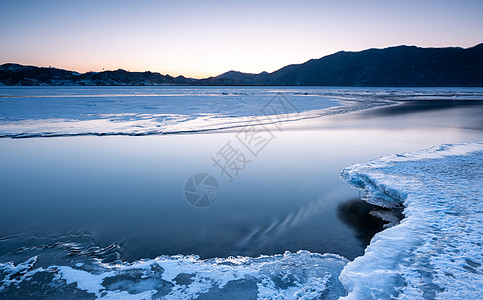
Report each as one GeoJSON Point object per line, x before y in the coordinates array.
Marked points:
{"type": "Point", "coordinates": [197, 38]}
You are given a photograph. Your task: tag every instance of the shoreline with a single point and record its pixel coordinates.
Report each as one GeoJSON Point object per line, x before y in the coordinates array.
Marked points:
{"type": "Point", "coordinates": [390, 266]}
{"type": "Point", "coordinates": [243, 122]}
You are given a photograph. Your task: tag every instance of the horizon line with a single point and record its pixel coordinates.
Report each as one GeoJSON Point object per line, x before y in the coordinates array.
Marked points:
{"type": "Point", "coordinates": [232, 70]}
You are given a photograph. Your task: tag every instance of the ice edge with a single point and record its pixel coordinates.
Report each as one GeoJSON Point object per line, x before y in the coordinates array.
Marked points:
{"type": "Point", "coordinates": [418, 258]}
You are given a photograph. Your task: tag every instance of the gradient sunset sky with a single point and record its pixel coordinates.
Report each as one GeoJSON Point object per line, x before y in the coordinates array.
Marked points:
{"type": "Point", "coordinates": [206, 38]}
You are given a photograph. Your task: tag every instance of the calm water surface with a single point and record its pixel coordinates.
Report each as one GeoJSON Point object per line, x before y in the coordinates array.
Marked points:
{"type": "Point", "coordinates": [122, 196]}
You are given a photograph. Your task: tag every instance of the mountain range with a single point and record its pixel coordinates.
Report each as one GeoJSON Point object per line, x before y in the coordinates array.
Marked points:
{"type": "Point", "coordinates": [393, 66]}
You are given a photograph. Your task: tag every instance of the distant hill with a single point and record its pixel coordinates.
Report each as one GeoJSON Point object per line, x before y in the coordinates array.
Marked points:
{"type": "Point", "coordinates": [394, 66]}
{"type": "Point", "coordinates": [14, 74]}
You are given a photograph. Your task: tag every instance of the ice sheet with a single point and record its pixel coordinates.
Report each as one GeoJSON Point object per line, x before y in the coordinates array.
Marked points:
{"type": "Point", "coordinates": [300, 275]}
{"type": "Point", "coordinates": [435, 251]}
{"type": "Point", "coordinates": [58, 111]}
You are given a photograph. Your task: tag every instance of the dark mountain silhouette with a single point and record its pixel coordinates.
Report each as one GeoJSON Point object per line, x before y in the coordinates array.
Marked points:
{"type": "Point", "coordinates": [394, 66]}
{"type": "Point", "coordinates": [236, 78]}
{"type": "Point", "coordinates": [14, 74]}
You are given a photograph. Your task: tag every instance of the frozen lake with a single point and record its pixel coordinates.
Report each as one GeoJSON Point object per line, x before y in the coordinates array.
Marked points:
{"type": "Point", "coordinates": [58, 111]}
{"type": "Point", "coordinates": [71, 200]}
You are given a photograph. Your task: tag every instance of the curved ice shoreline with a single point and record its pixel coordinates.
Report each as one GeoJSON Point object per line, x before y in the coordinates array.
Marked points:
{"type": "Point", "coordinates": [149, 124]}
{"type": "Point", "coordinates": [435, 252]}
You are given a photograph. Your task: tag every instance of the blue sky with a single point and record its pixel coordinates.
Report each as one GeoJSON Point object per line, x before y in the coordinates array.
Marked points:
{"type": "Point", "coordinates": [204, 38]}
